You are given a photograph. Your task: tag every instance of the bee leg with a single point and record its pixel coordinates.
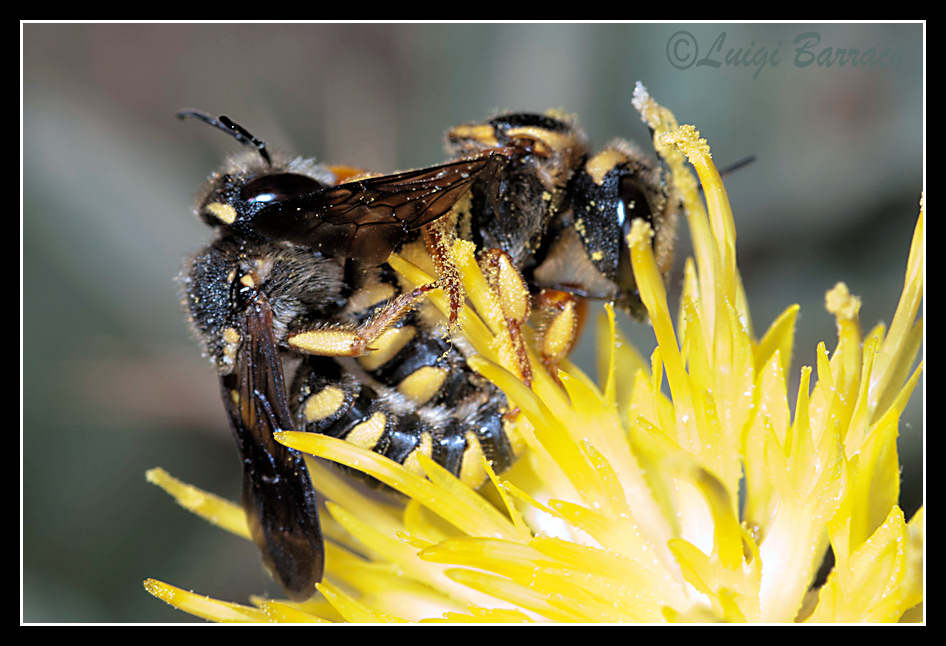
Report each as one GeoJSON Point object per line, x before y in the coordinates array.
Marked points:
{"type": "Point", "coordinates": [343, 342]}
{"type": "Point", "coordinates": [439, 234]}
{"type": "Point", "coordinates": [558, 317]}
{"type": "Point", "coordinates": [513, 295]}
{"type": "Point", "coordinates": [438, 238]}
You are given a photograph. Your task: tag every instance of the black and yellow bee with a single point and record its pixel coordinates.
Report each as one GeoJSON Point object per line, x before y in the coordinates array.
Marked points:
{"type": "Point", "coordinates": [296, 275]}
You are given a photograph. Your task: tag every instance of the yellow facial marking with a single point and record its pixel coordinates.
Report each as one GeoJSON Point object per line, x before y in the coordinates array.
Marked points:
{"type": "Point", "coordinates": [223, 212]}
{"type": "Point", "coordinates": [367, 434]}
{"type": "Point", "coordinates": [472, 471]}
{"type": "Point", "coordinates": [560, 333]}
{"type": "Point", "coordinates": [247, 280]}
{"type": "Point", "coordinates": [599, 165]}
{"type": "Point", "coordinates": [422, 384]}
{"type": "Point", "coordinates": [326, 343]}
{"type": "Point", "coordinates": [386, 346]}
{"type": "Point", "coordinates": [425, 446]}
{"type": "Point", "coordinates": [323, 404]}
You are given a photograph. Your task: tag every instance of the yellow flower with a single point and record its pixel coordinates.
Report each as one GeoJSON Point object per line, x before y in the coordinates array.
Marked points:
{"type": "Point", "coordinates": [625, 507]}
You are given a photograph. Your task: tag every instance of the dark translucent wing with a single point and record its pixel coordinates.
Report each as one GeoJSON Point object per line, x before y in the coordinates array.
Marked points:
{"type": "Point", "coordinates": [368, 218]}
{"type": "Point", "coordinates": [278, 497]}
{"type": "Point", "coordinates": [410, 199]}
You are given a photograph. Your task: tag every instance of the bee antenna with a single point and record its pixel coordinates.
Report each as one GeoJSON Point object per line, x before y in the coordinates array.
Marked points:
{"type": "Point", "coordinates": [745, 161]}
{"type": "Point", "coordinates": [232, 128]}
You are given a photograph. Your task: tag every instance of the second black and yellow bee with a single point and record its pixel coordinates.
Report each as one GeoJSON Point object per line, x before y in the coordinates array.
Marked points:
{"type": "Point", "coordinates": [296, 277]}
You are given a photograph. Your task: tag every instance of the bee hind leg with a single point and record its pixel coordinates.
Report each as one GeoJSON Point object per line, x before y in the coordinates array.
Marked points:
{"type": "Point", "coordinates": [559, 317]}
{"type": "Point", "coordinates": [438, 238]}
{"type": "Point", "coordinates": [514, 298]}
{"type": "Point", "coordinates": [337, 341]}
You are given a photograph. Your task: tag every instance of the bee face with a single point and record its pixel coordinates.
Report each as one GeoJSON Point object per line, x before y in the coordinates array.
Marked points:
{"type": "Point", "coordinates": [610, 190]}
{"type": "Point", "coordinates": [247, 184]}
{"type": "Point", "coordinates": [562, 213]}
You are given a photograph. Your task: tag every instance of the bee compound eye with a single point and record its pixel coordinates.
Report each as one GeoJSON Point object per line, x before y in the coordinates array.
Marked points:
{"type": "Point", "coordinates": [633, 204]}
{"type": "Point", "coordinates": [278, 187]}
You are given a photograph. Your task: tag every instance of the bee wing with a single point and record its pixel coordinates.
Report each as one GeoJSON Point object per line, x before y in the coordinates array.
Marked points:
{"type": "Point", "coordinates": [368, 218]}
{"type": "Point", "coordinates": [409, 199]}
{"type": "Point", "coordinates": [278, 497]}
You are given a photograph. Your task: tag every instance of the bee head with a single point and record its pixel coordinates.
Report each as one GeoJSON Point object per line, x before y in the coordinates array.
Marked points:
{"type": "Point", "coordinates": [613, 188]}
{"type": "Point", "coordinates": [252, 180]}
{"type": "Point", "coordinates": [235, 195]}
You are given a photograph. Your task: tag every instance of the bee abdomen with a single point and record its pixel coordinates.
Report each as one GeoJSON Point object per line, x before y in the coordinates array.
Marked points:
{"type": "Point", "coordinates": [327, 398]}
{"type": "Point", "coordinates": [426, 370]}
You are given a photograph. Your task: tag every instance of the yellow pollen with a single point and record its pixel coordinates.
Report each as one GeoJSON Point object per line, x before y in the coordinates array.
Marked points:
{"type": "Point", "coordinates": [841, 303]}
{"type": "Point", "coordinates": [641, 232]}
{"type": "Point", "coordinates": [688, 140]}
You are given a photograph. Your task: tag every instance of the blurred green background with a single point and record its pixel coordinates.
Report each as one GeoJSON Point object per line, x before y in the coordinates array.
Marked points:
{"type": "Point", "coordinates": [113, 382]}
